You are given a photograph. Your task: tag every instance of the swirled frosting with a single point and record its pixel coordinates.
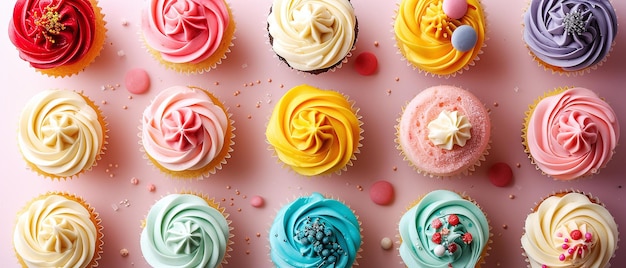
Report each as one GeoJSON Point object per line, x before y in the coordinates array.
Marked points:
{"type": "Point", "coordinates": [443, 230]}
{"type": "Point", "coordinates": [185, 31]}
{"type": "Point", "coordinates": [55, 231]}
{"type": "Point", "coordinates": [312, 35]}
{"type": "Point", "coordinates": [182, 230]}
{"type": "Point", "coordinates": [314, 131]}
{"type": "Point", "coordinates": [314, 231]}
{"type": "Point", "coordinates": [423, 34]}
{"type": "Point", "coordinates": [185, 128]}
{"type": "Point", "coordinates": [61, 133]}
{"type": "Point", "coordinates": [572, 134]}
{"type": "Point", "coordinates": [569, 231]}
{"type": "Point", "coordinates": [448, 129]}
{"type": "Point", "coordinates": [570, 34]}
{"type": "Point", "coordinates": [53, 33]}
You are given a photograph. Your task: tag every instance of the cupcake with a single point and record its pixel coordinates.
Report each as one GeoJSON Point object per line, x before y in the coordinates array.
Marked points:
{"type": "Point", "coordinates": [440, 37]}
{"type": "Point", "coordinates": [569, 229]}
{"type": "Point", "coordinates": [58, 230]}
{"type": "Point", "coordinates": [314, 131]}
{"type": "Point", "coordinates": [58, 38]}
{"type": "Point", "coordinates": [444, 131]}
{"type": "Point", "coordinates": [188, 36]}
{"type": "Point", "coordinates": [315, 231]}
{"type": "Point", "coordinates": [61, 133]}
{"type": "Point", "coordinates": [572, 36]}
{"type": "Point", "coordinates": [444, 229]}
{"type": "Point", "coordinates": [570, 133]}
{"type": "Point", "coordinates": [312, 36]}
{"type": "Point", "coordinates": [187, 132]}
{"type": "Point", "coordinates": [186, 230]}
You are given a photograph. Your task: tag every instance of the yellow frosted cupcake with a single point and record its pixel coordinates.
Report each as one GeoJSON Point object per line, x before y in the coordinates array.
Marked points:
{"type": "Point", "coordinates": [186, 230]}
{"type": "Point", "coordinates": [189, 37]}
{"type": "Point", "coordinates": [314, 131]}
{"type": "Point", "coordinates": [58, 38]}
{"type": "Point", "coordinates": [58, 230]}
{"type": "Point", "coordinates": [61, 133]}
{"type": "Point", "coordinates": [187, 132]}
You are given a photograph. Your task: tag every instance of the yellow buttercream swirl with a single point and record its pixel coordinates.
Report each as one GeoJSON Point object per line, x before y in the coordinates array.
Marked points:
{"type": "Point", "coordinates": [550, 238]}
{"type": "Point", "coordinates": [448, 129]}
{"type": "Point", "coordinates": [423, 33]}
{"type": "Point", "coordinates": [314, 131]}
{"type": "Point", "coordinates": [61, 133]}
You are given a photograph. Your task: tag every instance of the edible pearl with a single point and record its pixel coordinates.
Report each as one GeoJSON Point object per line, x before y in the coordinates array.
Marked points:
{"type": "Point", "coordinates": [464, 38]}
{"type": "Point", "coordinates": [439, 250]}
{"type": "Point", "coordinates": [455, 9]}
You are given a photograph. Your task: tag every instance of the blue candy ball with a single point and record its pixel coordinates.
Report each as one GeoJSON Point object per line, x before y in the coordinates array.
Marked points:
{"type": "Point", "coordinates": [464, 38]}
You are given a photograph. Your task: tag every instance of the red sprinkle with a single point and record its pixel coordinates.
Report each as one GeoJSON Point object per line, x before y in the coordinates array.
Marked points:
{"type": "Point", "coordinates": [453, 219]}
{"type": "Point", "coordinates": [500, 174]}
{"type": "Point", "coordinates": [437, 238]}
{"type": "Point", "coordinates": [576, 234]}
{"type": "Point", "coordinates": [366, 63]}
{"type": "Point", "coordinates": [452, 247]}
{"type": "Point", "coordinates": [382, 193]}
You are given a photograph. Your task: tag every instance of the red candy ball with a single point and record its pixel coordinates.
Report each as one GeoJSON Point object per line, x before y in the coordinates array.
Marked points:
{"type": "Point", "coordinates": [500, 174]}
{"type": "Point", "coordinates": [382, 193]}
{"type": "Point", "coordinates": [366, 63]}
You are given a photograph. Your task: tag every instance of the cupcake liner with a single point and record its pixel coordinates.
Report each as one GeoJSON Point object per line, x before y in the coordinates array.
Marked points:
{"type": "Point", "coordinates": [460, 71]}
{"type": "Point", "coordinates": [94, 218]}
{"type": "Point", "coordinates": [101, 151]}
{"type": "Point", "coordinates": [91, 55]}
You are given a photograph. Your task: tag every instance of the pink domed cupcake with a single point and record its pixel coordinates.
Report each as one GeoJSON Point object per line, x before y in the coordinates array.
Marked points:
{"type": "Point", "coordinates": [444, 131]}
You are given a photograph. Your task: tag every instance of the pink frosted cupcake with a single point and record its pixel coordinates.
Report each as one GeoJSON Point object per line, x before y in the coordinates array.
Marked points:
{"type": "Point", "coordinates": [444, 131]}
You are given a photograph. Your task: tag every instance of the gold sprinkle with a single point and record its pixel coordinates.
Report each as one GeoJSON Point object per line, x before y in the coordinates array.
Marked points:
{"type": "Point", "coordinates": [397, 79]}
{"type": "Point", "coordinates": [249, 116]}
{"type": "Point", "coordinates": [269, 80]}
{"type": "Point", "coordinates": [124, 107]}
{"type": "Point", "coordinates": [258, 234]}
{"type": "Point", "coordinates": [511, 196]}
{"type": "Point", "coordinates": [504, 226]}
{"type": "Point", "coordinates": [376, 43]}
{"type": "Point", "coordinates": [258, 81]}
{"type": "Point", "coordinates": [228, 187]}
{"type": "Point", "coordinates": [216, 83]}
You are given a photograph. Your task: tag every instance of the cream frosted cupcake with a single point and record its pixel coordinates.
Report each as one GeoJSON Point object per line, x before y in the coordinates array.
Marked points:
{"type": "Point", "coordinates": [444, 229]}
{"type": "Point", "coordinates": [570, 36]}
{"type": "Point", "coordinates": [312, 36]}
{"type": "Point", "coordinates": [58, 230]}
{"type": "Point", "coordinates": [61, 133]}
{"type": "Point", "coordinates": [570, 133]}
{"type": "Point", "coordinates": [314, 131]}
{"type": "Point", "coordinates": [440, 37]}
{"type": "Point", "coordinates": [188, 36]}
{"type": "Point", "coordinates": [187, 132]}
{"type": "Point", "coordinates": [315, 231]}
{"type": "Point", "coordinates": [569, 229]}
{"type": "Point", "coordinates": [444, 131]}
{"type": "Point", "coordinates": [58, 38]}
{"type": "Point", "coordinates": [186, 230]}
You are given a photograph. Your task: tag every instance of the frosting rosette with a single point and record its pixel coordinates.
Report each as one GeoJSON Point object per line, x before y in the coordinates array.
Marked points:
{"type": "Point", "coordinates": [570, 35]}
{"type": "Point", "coordinates": [185, 230]}
{"type": "Point", "coordinates": [443, 230]}
{"type": "Point", "coordinates": [186, 132]}
{"type": "Point", "coordinates": [188, 35]}
{"type": "Point", "coordinates": [314, 131]}
{"type": "Point", "coordinates": [314, 231]}
{"type": "Point", "coordinates": [312, 35]}
{"type": "Point", "coordinates": [571, 133]}
{"type": "Point", "coordinates": [57, 37]}
{"type": "Point", "coordinates": [61, 133]}
{"type": "Point", "coordinates": [58, 230]}
{"type": "Point", "coordinates": [569, 230]}
{"type": "Point", "coordinates": [424, 36]}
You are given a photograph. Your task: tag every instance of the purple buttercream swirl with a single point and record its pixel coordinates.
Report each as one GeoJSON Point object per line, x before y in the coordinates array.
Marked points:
{"type": "Point", "coordinates": [570, 34]}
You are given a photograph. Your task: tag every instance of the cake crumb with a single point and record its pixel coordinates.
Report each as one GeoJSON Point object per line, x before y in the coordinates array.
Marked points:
{"type": "Point", "coordinates": [124, 252]}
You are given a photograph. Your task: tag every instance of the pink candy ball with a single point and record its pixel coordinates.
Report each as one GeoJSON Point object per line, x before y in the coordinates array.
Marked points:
{"type": "Point", "coordinates": [455, 9]}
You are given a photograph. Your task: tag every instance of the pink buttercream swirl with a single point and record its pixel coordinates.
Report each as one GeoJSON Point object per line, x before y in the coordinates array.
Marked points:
{"type": "Point", "coordinates": [572, 134]}
{"type": "Point", "coordinates": [184, 129]}
{"type": "Point", "coordinates": [185, 30]}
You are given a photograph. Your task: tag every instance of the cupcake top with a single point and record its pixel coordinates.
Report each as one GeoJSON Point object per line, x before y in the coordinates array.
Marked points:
{"type": "Point", "coordinates": [61, 133]}
{"type": "Point", "coordinates": [57, 230]}
{"type": "Point", "coordinates": [314, 131]}
{"type": "Point", "coordinates": [312, 35]}
{"type": "Point", "coordinates": [315, 231]}
{"type": "Point", "coordinates": [186, 129]}
{"type": "Point", "coordinates": [183, 230]}
{"type": "Point", "coordinates": [444, 131]}
{"type": "Point", "coordinates": [443, 230]}
{"type": "Point", "coordinates": [50, 34]}
{"type": "Point", "coordinates": [440, 37]}
{"type": "Point", "coordinates": [571, 133]}
{"type": "Point", "coordinates": [186, 31]}
{"type": "Point", "coordinates": [570, 35]}
{"type": "Point", "coordinates": [569, 230]}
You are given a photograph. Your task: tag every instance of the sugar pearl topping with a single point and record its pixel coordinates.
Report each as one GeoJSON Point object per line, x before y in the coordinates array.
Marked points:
{"type": "Point", "coordinates": [320, 241]}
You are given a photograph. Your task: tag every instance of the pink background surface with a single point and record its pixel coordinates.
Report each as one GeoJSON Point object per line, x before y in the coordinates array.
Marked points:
{"type": "Point", "coordinates": [505, 79]}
